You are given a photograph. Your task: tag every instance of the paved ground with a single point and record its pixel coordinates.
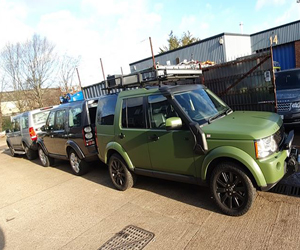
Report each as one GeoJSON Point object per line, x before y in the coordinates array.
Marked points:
{"type": "Point", "coordinates": [49, 208]}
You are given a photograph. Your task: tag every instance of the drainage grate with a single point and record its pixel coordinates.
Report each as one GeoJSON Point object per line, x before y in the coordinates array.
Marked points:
{"type": "Point", "coordinates": [131, 237]}
{"type": "Point", "coordinates": [286, 189]}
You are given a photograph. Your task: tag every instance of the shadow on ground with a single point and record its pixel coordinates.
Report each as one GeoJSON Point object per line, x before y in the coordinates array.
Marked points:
{"type": "Point", "coordinates": [186, 193]}
{"type": "Point", "coordinates": [2, 239]}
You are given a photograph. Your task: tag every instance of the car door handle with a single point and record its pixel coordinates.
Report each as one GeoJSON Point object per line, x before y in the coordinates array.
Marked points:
{"type": "Point", "coordinates": [154, 137]}
{"type": "Point", "coordinates": [121, 136]}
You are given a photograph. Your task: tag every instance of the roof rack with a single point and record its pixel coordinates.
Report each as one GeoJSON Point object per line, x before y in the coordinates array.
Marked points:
{"type": "Point", "coordinates": [162, 74]}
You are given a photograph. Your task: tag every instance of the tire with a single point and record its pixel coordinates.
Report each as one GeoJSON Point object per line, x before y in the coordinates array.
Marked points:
{"type": "Point", "coordinates": [79, 167]}
{"type": "Point", "coordinates": [231, 189]}
{"type": "Point", "coordinates": [121, 177]}
{"type": "Point", "coordinates": [45, 159]}
{"type": "Point", "coordinates": [12, 151]}
{"type": "Point", "coordinates": [30, 153]}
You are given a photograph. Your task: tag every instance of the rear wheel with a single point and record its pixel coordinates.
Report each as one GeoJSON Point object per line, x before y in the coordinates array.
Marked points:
{"type": "Point", "coordinates": [11, 150]}
{"type": "Point", "coordinates": [45, 159]}
{"type": "Point", "coordinates": [30, 153]}
{"type": "Point", "coordinates": [79, 166]}
{"type": "Point", "coordinates": [232, 189]}
{"type": "Point", "coordinates": [121, 177]}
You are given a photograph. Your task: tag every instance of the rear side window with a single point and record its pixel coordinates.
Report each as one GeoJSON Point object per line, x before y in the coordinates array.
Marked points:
{"type": "Point", "coordinates": [133, 113]}
{"type": "Point", "coordinates": [40, 118]}
{"type": "Point", "coordinates": [24, 121]}
{"type": "Point", "coordinates": [75, 117]}
{"type": "Point", "coordinates": [106, 110]}
{"type": "Point", "coordinates": [60, 120]}
{"type": "Point", "coordinates": [16, 124]}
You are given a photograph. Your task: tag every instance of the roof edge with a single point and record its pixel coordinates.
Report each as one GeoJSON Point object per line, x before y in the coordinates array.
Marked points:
{"type": "Point", "coordinates": [277, 27]}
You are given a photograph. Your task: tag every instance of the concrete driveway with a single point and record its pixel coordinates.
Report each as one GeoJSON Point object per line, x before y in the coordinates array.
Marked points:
{"type": "Point", "coordinates": [49, 208]}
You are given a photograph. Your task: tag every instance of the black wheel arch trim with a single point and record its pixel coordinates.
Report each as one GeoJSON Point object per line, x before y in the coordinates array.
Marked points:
{"type": "Point", "coordinates": [32, 146]}
{"type": "Point", "coordinates": [41, 144]}
{"type": "Point", "coordinates": [76, 148]}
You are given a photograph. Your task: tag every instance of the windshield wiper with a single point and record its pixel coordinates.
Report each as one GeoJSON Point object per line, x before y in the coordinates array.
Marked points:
{"type": "Point", "coordinates": [225, 112]}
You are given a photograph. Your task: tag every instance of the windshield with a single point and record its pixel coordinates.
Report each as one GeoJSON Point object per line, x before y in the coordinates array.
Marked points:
{"type": "Point", "coordinates": [201, 105]}
{"type": "Point", "coordinates": [288, 80]}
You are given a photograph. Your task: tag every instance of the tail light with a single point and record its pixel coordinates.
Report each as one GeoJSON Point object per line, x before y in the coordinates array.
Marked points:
{"type": "Point", "coordinates": [96, 136]}
{"type": "Point", "coordinates": [88, 136]}
{"type": "Point", "coordinates": [32, 134]}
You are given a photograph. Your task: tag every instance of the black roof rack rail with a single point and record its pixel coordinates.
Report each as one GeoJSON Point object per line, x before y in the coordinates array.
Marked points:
{"type": "Point", "coordinates": [162, 74]}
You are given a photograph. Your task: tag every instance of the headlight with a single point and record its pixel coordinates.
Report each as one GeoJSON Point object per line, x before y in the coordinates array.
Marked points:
{"type": "Point", "coordinates": [265, 147]}
{"type": "Point", "coordinates": [296, 105]}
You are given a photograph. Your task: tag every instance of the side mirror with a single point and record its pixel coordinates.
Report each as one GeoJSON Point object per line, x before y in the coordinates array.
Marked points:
{"type": "Point", "coordinates": [43, 128]}
{"type": "Point", "coordinates": [173, 123]}
{"type": "Point", "coordinates": [7, 131]}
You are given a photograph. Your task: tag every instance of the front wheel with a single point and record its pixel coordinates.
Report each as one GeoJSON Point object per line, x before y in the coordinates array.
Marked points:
{"type": "Point", "coordinates": [232, 189]}
{"type": "Point", "coordinates": [79, 167]}
{"type": "Point", "coordinates": [121, 177]}
{"type": "Point", "coordinates": [30, 153]}
{"type": "Point", "coordinates": [45, 159]}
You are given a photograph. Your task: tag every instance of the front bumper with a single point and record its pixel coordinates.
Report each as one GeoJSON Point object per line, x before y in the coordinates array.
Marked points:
{"type": "Point", "coordinates": [290, 118]}
{"type": "Point", "coordinates": [292, 162]}
{"type": "Point", "coordinates": [283, 164]}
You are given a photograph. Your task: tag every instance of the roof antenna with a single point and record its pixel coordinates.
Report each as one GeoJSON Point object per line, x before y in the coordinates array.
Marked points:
{"type": "Point", "coordinates": [241, 27]}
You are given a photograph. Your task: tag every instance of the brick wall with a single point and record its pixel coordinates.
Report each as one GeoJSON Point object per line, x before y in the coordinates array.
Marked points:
{"type": "Point", "coordinates": [297, 53]}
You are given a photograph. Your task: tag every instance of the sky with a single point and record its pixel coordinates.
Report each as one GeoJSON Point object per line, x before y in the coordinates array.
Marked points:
{"type": "Point", "coordinates": [118, 31]}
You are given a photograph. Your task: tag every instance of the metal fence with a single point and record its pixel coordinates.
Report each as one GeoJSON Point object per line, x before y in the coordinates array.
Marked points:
{"type": "Point", "coordinates": [244, 84]}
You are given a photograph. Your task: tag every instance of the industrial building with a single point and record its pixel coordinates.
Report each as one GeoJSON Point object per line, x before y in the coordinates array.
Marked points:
{"type": "Point", "coordinates": [225, 47]}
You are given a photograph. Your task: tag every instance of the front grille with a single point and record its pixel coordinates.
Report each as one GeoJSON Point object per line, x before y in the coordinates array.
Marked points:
{"type": "Point", "coordinates": [283, 107]}
{"type": "Point", "coordinates": [279, 136]}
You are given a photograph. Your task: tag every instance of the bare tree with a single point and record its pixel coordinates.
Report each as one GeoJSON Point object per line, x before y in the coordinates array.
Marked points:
{"type": "Point", "coordinates": [30, 67]}
{"type": "Point", "coordinates": [39, 62]}
{"type": "Point", "coordinates": [66, 71]}
{"type": "Point", "coordinates": [1, 94]}
{"type": "Point", "coordinates": [10, 64]}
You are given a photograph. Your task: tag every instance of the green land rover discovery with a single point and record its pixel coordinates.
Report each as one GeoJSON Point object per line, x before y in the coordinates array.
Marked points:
{"type": "Point", "coordinates": [186, 133]}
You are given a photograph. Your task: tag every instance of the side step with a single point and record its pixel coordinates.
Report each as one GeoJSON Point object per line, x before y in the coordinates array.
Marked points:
{"type": "Point", "coordinates": [19, 152]}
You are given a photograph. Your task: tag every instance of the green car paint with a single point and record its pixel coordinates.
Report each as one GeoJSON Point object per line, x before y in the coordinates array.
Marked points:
{"type": "Point", "coordinates": [244, 125]}
{"type": "Point", "coordinates": [230, 136]}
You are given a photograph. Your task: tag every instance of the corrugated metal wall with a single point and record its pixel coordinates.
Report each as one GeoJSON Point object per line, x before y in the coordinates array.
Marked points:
{"type": "Point", "coordinates": [285, 34]}
{"type": "Point", "coordinates": [98, 89]}
{"type": "Point", "coordinates": [208, 49]}
{"type": "Point", "coordinates": [285, 55]}
{"type": "Point", "coordinates": [241, 83]}
{"type": "Point", "coordinates": [94, 90]}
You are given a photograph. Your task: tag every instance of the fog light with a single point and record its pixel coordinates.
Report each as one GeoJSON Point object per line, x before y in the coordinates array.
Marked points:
{"type": "Point", "coordinates": [296, 105]}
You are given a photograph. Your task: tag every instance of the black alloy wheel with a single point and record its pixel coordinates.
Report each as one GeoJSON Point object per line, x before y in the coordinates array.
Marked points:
{"type": "Point", "coordinates": [121, 177]}
{"type": "Point", "coordinates": [232, 189]}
